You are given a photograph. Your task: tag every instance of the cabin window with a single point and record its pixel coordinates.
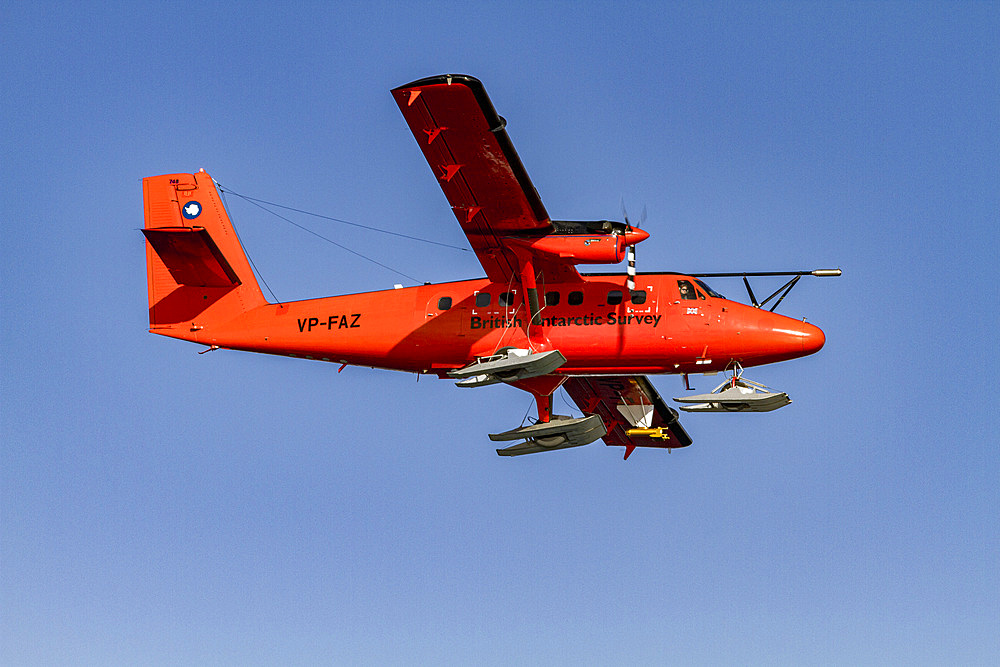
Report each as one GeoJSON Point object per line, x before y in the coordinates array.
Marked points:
{"type": "Point", "coordinates": [482, 299]}
{"type": "Point", "coordinates": [687, 290]}
{"type": "Point", "coordinates": [444, 303]}
{"type": "Point", "coordinates": [614, 297]}
{"type": "Point", "coordinates": [638, 296]}
{"type": "Point", "coordinates": [506, 299]}
{"type": "Point", "coordinates": [575, 298]}
{"type": "Point", "coordinates": [552, 298]}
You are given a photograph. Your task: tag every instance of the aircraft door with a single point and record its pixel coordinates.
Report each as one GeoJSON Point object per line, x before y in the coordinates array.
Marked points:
{"type": "Point", "coordinates": [693, 312]}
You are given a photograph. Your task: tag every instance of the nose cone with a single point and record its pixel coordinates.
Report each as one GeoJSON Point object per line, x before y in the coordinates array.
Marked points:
{"type": "Point", "coordinates": [780, 337]}
{"type": "Point", "coordinates": [813, 338]}
{"type": "Point", "coordinates": [635, 235]}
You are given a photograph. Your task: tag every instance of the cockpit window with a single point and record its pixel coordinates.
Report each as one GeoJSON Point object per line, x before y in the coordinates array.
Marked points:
{"type": "Point", "coordinates": [711, 292]}
{"type": "Point", "coordinates": [686, 290]}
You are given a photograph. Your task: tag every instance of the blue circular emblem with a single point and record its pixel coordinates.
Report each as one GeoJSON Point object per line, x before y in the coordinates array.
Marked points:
{"type": "Point", "coordinates": [191, 210]}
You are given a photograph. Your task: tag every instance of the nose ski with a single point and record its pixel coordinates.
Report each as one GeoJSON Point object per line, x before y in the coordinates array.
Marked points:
{"type": "Point", "coordinates": [737, 394]}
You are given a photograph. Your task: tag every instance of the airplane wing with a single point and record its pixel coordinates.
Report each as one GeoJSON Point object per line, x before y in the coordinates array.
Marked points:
{"type": "Point", "coordinates": [466, 144]}
{"type": "Point", "coordinates": [632, 410]}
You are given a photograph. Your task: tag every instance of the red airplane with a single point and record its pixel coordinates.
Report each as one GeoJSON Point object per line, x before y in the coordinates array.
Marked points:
{"type": "Point", "coordinates": [534, 322]}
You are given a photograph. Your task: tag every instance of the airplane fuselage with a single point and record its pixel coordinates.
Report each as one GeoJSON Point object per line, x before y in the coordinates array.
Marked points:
{"type": "Point", "coordinates": [668, 324]}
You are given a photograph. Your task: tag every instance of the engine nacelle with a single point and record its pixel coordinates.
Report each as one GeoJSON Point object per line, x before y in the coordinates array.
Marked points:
{"type": "Point", "coordinates": [581, 248]}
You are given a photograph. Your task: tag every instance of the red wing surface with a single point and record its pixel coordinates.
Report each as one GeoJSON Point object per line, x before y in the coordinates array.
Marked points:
{"type": "Point", "coordinates": [467, 148]}
{"type": "Point", "coordinates": [628, 403]}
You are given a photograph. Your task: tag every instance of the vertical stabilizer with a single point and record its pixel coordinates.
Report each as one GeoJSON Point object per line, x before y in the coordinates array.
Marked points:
{"type": "Point", "coordinates": [197, 271]}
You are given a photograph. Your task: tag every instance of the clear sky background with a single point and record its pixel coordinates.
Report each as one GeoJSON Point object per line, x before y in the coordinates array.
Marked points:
{"type": "Point", "coordinates": [161, 507]}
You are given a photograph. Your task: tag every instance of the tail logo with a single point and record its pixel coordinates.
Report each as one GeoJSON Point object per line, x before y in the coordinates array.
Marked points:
{"type": "Point", "coordinates": [191, 210]}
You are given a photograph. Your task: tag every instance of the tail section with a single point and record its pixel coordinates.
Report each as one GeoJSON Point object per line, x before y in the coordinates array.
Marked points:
{"type": "Point", "coordinates": [197, 271]}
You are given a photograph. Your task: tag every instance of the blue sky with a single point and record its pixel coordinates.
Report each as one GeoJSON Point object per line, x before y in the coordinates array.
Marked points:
{"type": "Point", "coordinates": [157, 506]}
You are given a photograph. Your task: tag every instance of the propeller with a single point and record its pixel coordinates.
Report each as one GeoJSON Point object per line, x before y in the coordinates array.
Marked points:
{"type": "Point", "coordinates": [632, 236]}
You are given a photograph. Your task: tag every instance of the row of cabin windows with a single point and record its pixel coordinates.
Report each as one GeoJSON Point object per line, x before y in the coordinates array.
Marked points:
{"type": "Point", "coordinates": [615, 297]}
{"type": "Point", "coordinates": [687, 291]}
{"type": "Point", "coordinates": [575, 298]}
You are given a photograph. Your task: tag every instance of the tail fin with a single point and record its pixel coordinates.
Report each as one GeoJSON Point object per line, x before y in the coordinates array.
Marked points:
{"type": "Point", "coordinates": [197, 271]}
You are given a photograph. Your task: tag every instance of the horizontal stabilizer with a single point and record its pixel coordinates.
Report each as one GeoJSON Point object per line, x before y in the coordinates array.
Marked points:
{"type": "Point", "coordinates": [191, 256]}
